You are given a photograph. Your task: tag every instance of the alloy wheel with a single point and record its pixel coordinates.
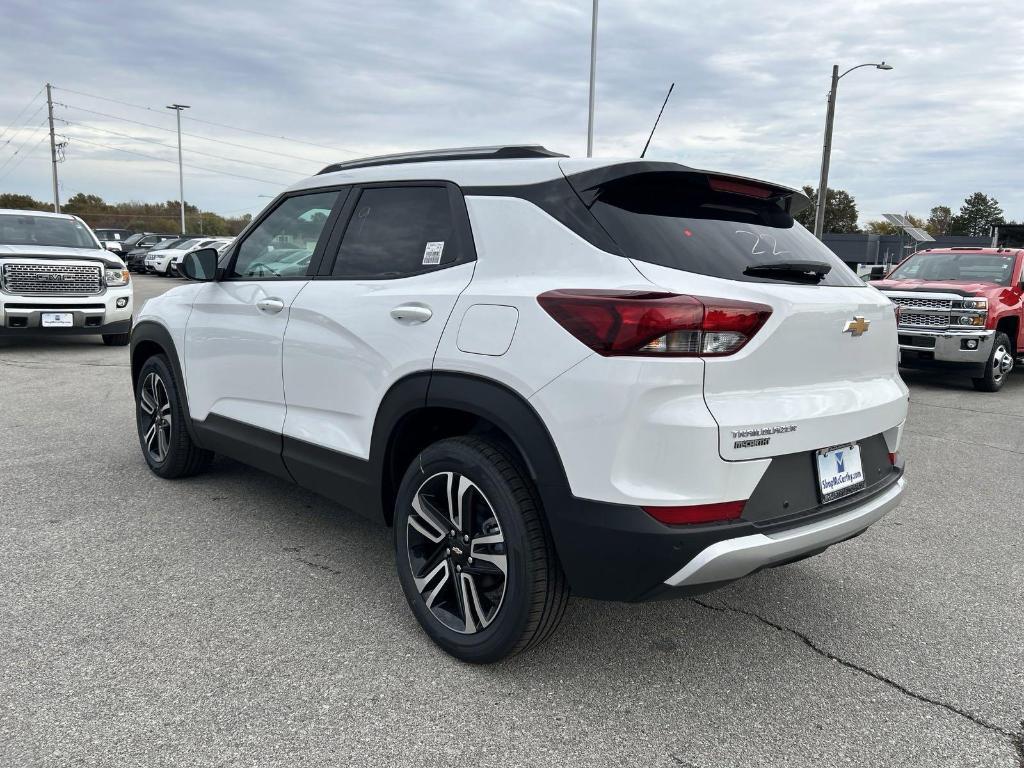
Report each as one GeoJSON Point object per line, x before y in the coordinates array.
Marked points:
{"type": "Point", "coordinates": [156, 417]}
{"type": "Point", "coordinates": [457, 552]}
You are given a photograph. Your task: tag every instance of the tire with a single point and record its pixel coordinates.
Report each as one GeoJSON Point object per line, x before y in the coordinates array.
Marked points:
{"type": "Point", "coordinates": [168, 450]}
{"type": "Point", "coordinates": [117, 339]}
{"type": "Point", "coordinates": [473, 487]}
{"type": "Point", "coordinates": [999, 365]}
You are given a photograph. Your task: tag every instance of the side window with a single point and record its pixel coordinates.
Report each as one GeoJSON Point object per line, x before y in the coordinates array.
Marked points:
{"type": "Point", "coordinates": [283, 243]}
{"type": "Point", "coordinates": [398, 231]}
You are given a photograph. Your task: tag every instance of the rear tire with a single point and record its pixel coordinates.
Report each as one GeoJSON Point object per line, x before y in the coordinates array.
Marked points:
{"type": "Point", "coordinates": [160, 417]}
{"type": "Point", "coordinates": [999, 365]}
{"type": "Point", "coordinates": [474, 557]}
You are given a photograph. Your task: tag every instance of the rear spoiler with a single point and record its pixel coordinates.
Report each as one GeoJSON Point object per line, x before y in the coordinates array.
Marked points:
{"type": "Point", "coordinates": [588, 183]}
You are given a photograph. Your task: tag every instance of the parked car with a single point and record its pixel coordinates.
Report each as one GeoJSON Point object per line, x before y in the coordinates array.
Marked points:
{"type": "Point", "coordinates": [217, 243]}
{"type": "Point", "coordinates": [138, 245]}
{"type": "Point", "coordinates": [158, 260]}
{"type": "Point", "coordinates": [57, 279]}
{"type": "Point", "coordinates": [627, 379]}
{"type": "Point", "coordinates": [960, 309]}
{"type": "Point", "coordinates": [113, 239]}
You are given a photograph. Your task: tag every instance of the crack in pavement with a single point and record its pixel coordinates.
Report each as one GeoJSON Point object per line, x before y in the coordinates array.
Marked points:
{"type": "Point", "coordinates": [1016, 739]}
{"type": "Point", "coordinates": [965, 442]}
{"type": "Point", "coordinates": [38, 364]}
{"type": "Point", "coordinates": [968, 410]}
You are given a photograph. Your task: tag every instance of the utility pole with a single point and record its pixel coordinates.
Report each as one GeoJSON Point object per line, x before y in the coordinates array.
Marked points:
{"type": "Point", "coordinates": [826, 155]}
{"type": "Point", "coordinates": [181, 174]}
{"type": "Point", "coordinates": [593, 78]}
{"type": "Point", "coordinates": [53, 149]}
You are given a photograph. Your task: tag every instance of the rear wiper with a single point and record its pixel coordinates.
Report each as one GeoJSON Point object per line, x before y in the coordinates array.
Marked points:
{"type": "Point", "coordinates": [798, 271]}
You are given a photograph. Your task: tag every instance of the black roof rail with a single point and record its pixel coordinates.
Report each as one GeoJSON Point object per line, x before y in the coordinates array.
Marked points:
{"type": "Point", "coordinates": [506, 152]}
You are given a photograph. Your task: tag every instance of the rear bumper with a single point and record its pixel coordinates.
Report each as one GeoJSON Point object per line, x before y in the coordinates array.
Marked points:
{"type": "Point", "coordinates": [951, 346]}
{"type": "Point", "coordinates": [733, 559]}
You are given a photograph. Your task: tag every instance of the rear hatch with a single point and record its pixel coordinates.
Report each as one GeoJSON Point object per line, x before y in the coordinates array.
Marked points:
{"type": "Point", "coordinates": [822, 371]}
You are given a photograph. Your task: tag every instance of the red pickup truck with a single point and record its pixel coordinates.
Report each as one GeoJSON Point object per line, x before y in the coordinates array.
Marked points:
{"type": "Point", "coordinates": [961, 308]}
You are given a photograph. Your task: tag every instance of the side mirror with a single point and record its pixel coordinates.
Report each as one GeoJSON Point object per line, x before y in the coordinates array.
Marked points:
{"type": "Point", "coordinates": [200, 265]}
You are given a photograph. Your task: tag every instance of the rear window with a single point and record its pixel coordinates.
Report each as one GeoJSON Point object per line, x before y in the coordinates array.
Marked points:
{"type": "Point", "coordinates": [668, 219]}
{"type": "Point", "coordinates": [946, 267]}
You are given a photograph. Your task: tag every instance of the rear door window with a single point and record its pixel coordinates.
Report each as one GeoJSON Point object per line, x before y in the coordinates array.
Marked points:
{"type": "Point", "coordinates": [397, 232]}
{"type": "Point", "coordinates": [668, 219]}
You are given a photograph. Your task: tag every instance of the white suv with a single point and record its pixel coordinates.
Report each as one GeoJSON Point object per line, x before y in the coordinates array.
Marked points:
{"type": "Point", "coordinates": [57, 279]}
{"type": "Point", "coordinates": [625, 379]}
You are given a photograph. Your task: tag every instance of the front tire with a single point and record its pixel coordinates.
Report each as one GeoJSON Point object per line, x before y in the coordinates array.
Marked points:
{"type": "Point", "coordinates": [999, 365]}
{"type": "Point", "coordinates": [117, 339]}
{"type": "Point", "coordinates": [160, 417]}
{"type": "Point", "coordinates": [474, 558]}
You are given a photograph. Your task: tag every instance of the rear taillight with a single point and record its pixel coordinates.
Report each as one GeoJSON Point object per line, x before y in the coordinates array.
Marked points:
{"type": "Point", "coordinates": [697, 513]}
{"type": "Point", "coordinates": [655, 324]}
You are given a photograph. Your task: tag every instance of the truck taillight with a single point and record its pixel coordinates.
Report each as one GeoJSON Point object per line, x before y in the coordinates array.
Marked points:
{"type": "Point", "coordinates": [614, 323]}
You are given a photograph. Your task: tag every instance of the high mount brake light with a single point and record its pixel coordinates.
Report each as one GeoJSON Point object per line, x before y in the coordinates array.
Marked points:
{"type": "Point", "coordinates": [614, 323]}
{"type": "Point", "coordinates": [697, 513]}
{"type": "Point", "coordinates": [718, 184]}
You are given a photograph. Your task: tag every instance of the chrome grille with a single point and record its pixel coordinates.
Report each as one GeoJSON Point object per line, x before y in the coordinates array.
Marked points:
{"type": "Point", "coordinates": [52, 279]}
{"type": "Point", "coordinates": [907, 301]}
{"type": "Point", "coordinates": [921, 320]}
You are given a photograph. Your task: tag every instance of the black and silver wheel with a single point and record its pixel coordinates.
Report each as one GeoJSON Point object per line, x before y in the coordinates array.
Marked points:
{"type": "Point", "coordinates": [999, 365]}
{"type": "Point", "coordinates": [163, 435]}
{"type": "Point", "coordinates": [475, 560]}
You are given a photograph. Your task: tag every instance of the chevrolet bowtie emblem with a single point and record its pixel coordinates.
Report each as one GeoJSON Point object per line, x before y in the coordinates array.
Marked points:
{"type": "Point", "coordinates": [857, 327]}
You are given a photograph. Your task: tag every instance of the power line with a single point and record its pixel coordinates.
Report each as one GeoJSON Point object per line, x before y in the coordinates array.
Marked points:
{"type": "Point", "coordinates": [24, 156]}
{"type": "Point", "coordinates": [23, 125]}
{"type": "Point", "coordinates": [23, 145]}
{"type": "Point", "coordinates": [173, 162]}
{"type": "Point", "coordinates": [190, 135]}
{"type": "Point", "coordinates": [23, 110]}
{"type": "Point", "coordinates": [167, 146]}
{"type": "Point", "coordinates": [209, 122]}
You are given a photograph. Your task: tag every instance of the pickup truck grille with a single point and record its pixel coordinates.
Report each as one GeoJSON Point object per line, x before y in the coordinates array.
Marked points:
{"type": "Point", "coordinates": [921, 320]}
{"type": "Point", "coordinates": [51, 279]}
{"type": "Point", "coordinates": [914, 303]}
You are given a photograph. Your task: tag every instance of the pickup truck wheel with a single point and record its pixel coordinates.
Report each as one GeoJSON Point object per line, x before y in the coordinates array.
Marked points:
{"type": "Point", "coordinates": [998, 367]}
{"type": "Point", "coordinates": [165, 441]}
{"type": "Point", "coordinates": [474, 558]}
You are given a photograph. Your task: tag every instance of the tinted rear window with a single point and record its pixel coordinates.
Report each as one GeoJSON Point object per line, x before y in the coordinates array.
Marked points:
{"type": "Point", "coordinates": [667, 219]}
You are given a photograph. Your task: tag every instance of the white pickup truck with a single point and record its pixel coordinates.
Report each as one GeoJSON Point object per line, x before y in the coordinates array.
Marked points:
{"type": "Point", "coordinates": [56, 279]}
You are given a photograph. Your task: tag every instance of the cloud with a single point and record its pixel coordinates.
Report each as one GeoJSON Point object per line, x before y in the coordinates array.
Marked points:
{"type": "Point", "coordinates": [363, 78]}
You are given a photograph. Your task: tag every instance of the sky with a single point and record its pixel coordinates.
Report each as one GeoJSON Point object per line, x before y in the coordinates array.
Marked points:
{"type": "Point", "coordinates": [341, 79]}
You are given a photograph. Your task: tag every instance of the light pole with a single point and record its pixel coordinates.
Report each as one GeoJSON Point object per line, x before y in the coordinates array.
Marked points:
{"type": "Point", "coordinates": [593, 77]}
{"type": "Point", "coordinates": [826, 152]}
{"type": "Point", "coordinates": [181, 175]}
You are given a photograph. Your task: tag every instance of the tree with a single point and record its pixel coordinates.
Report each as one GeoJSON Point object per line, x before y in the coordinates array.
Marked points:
{"type": "Point", "coordinates": [23, 202]}
{"type": "Point", "coordinates": [940, 219]}
{"type": "Point", "coordinates": [976, 215]}
{"type": "Point", "coordinates": [82, 203]}
{"type": "Point", "coordinates": [840, 211]}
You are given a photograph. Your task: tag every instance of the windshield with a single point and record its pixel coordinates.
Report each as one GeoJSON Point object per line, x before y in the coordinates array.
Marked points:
{"type": "Point", "coordinates": [665, 219]}
{"type": "Point", "coordinates": [17, 229]}
{"type": "Point", "coordinates": [948, 267]}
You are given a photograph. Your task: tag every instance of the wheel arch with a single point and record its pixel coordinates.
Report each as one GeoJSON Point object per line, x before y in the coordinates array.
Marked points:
{"type": "Point", "coordinates": [1010, 325]}
{"type": "Point", "coordinates": [150, 338]}
{"type": "Point", "coordinates": [422, 409]}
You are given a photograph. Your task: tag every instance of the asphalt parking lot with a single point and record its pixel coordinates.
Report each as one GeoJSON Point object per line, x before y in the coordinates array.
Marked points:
{"type": "Point", "coordinates": [234, 620]}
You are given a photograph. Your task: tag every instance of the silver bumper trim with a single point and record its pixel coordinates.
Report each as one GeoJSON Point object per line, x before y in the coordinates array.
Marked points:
{"type": "Point", "coordinates": [735, 558]}
{"type": "Point", "coordinates": [947, 344]}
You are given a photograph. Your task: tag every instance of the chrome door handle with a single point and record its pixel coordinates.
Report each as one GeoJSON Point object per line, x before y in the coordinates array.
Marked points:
{"type": "Point", "coordinates": [412, 313]}
{"type": "Point", "coordinates": [270, 306]}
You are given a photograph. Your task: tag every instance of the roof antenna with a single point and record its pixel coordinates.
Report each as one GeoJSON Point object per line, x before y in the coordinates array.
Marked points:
{"type": "Point", "coordinates": [658, 120]}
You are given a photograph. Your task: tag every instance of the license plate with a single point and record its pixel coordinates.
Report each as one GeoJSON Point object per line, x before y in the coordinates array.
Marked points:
{"type": "Point", "coordinates": [840, 472]}
{"type": "Point", "coordinates": [58, 320]}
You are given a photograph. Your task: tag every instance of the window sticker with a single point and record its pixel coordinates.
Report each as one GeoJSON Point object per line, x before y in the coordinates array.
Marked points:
{"type": "Point", "coordinates": [432, 253]}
